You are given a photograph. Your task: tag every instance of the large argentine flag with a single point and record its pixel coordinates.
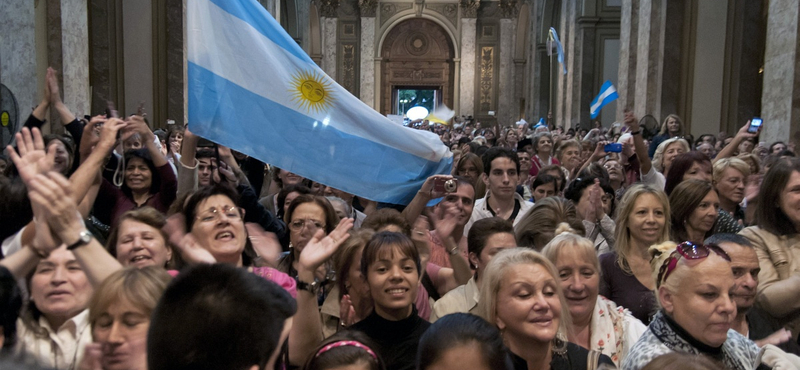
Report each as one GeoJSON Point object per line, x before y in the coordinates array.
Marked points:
{"type": "Point", "coordinates": [608, 93]}
{"type": "Point", "coordinates": [252, 88]}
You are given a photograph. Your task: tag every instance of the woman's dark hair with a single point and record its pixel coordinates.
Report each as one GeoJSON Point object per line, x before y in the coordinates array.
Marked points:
{"type": "Point", "coordinates": [10, 305]}
{"type": "Point", "coordinates": [595, 169]}
{"type": "Point", "coordinates": [682, 203]}
{"type": "Point", "coordinates": [387, 241]}
{"type": "Point", "coordinates": [544, 179]}
{"type": "Point", "coordinates": [172, 132]}
{"type": "Point", "coordinates": [146, 215]}
{"type": "Point", "coordinates": [15, 206]}
{"type": "Point", "coordinates": [297, 188]}
{"type": "Point", "coordinates": [331, 220]}
{"type": "Point", "coordinates": [385, 217]}
{"type": "Point", "coordinates": [203, 193]}
{"type": "Point", "coordinates": [680, 165]}
{"type": "Point", "coordinates": [554, 167]}
{"type": "Point", "coordinates": [463, 329]}
{"type": "Point", "coordinates": [69, 145]}
{"type": "Point", "coordinates": [349, 347]}
{"type": "Point", "coordinates": [769, 217]}
{"type": "Point", "coordinates": [144, 155]}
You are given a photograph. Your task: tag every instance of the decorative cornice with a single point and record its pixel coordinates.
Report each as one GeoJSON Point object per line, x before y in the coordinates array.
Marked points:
{"type": "Point", "coordinates": [327, 8]}
{"type": "Point", "coordinates": [469, 8]}
{"type": "Point", "coordinates": [368, 7]}
{"type": "Point", "coordinates": [508, 8]}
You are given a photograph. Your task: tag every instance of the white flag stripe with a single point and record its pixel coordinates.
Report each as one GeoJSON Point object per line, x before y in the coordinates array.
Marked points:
{"type": "Point", "coordinates": [601, 98]}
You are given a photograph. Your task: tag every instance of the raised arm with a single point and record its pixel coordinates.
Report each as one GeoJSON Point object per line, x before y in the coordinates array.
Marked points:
{"type": "Point", "coordinates": [645, 164]}
{"type": "Point", "coordinates": [53, 193]}
{"type": "Point", "coordinates": [414, 209]}
{"type": "Point", "coordinates": [307, 329]}
{"type": "Point", "coordinates": [741, 135]}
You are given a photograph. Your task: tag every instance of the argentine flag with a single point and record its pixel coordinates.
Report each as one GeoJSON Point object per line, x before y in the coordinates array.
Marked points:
{"type": "Point", "coordinates": [608, 93]}
{"type": "Point", "coordinates": [252, 88]}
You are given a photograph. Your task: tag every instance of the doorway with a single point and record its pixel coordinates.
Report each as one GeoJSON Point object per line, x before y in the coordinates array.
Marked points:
{"type": "Point", "coordinates": [406, 97]}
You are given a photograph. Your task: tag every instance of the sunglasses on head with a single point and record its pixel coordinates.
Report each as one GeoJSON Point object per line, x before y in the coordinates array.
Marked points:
{"type": "Point", "coordinates": [690, 251]}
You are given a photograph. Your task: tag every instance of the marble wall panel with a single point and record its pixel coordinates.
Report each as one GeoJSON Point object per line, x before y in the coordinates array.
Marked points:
{"type": "Point", "coordinates": [367, 93]}
{"type": "Point", "coordinates": [75, 49]}
{"type": "Point", "coordinates": [779, 101]}
{"type": "Point", "coordinates": [507, 102]}
{"type": "Point", "coordinates": [467, 78]}
{"type": "Point", "coordinates": [18, 59]}
{"type": "Point", "coordinates": [329, 33]}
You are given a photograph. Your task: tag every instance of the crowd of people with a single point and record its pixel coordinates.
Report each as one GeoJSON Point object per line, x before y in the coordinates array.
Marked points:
{"type": "Point", "coordinates": [131, 248]}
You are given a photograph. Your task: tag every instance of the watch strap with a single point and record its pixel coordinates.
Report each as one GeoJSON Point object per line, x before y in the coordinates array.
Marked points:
{"type": "Point", "coordinates": [309, 287]}
{"type": "Point", "coordinates": [85, 238]}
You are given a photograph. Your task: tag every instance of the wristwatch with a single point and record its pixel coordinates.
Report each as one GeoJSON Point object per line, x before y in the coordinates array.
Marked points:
{"type": "Point", "coordinates": [85, 238]}
{"type": "Point", "coordinates": [312, 288]}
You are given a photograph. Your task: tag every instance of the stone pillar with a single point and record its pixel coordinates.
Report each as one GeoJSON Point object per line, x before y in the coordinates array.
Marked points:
{"type": "Point", "coordinates": [507, 108]}
{"type": "Point", "coordinates": [329, 30]}
{"type": "Point", "coordinates": [628, 41]}
{"type": "Point", "coordinates": [467, 70]}
{"type": "Point", "coordinates": [367, 90]}
{"type": "Point", "coordinates": [68, 53]}
{"type": "Point", "coordinates": [649, 59]}
{"type": "Point", "coordinates": [780, 102]}
{"type": "Point", "coordinates": [18, 61]}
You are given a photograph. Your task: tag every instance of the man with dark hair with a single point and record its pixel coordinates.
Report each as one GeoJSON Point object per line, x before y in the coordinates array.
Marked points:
{"type": "Point", "coordinates": [751, 321]}
{"type": "Point", "coordinates": [486, 238]}
{"type": "Point", "coordinates": [501, 174]}
{"type": "Point", "coordinates": [219, 317]}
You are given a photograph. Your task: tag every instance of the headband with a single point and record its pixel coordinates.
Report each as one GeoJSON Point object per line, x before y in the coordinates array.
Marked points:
{"type": "Point", "coordinates": [343, 343]}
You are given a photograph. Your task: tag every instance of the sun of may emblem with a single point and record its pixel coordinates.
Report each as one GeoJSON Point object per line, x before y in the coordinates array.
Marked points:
{"type": "Point", "coordinates": [311, 90]}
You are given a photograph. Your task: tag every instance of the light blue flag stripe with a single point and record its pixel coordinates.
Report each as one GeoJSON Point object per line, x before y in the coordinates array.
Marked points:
{"type": "Point", "coordinates": [608, 93]}
{"type": "Point", "coordinates": [306, 146]}
{"type": "Point", "coordinates": [247, 91]}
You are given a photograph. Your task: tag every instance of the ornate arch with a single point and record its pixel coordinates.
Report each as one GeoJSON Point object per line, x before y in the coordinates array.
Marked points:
{"type": "Point", "coordinates": [416, 52]}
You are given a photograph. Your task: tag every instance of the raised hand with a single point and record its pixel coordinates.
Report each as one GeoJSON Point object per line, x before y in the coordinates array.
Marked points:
{"type": "Point", "coordinates": [33, 159]}
{"type": "Point", "coordinates": [447, 224]}
{"type": "Point", "coordinates": [265, 243]}
{"type": "Point", "coordinates": [187, 245]}
{"type": "Point", "coordinates": [52, 86]}
{"type": "Point", "coordinates": [92, 355]}
{"type": "Point", "coordinates": [54, 195]}
{"type": "Point", "coordinates": [321, 247]}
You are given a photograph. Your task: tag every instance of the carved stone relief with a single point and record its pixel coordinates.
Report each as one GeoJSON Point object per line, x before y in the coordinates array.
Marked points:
{"type": "Point", "coordinates": [367, 7]}
{"type": "Point", "coordinates": [486, 78]}
{"type": "Point", "coordinates": [449, 11]}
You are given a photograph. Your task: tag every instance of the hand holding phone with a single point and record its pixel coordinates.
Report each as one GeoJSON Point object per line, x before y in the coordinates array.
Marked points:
{"type": "Point", "coordinates": [755, 124]}
{"type": "Point", "coordinates": [613, 148]}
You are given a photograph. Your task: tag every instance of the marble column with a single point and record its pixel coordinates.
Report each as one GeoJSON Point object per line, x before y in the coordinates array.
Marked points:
{"type": "Point", "coordinates": [75, 56]}
{"type": "Point", "coordinates": [507, 106]}
{"type": "Point", "coordinates": [329, 33]}
{"type": "Point", "coordinates": [467, 71]}
{"type": "Point", "coordinates": [780, 101]}
{"type": "Point", "coordinates": [649, 60]}
{"type": "Point", "coordinates": [367, 90]}
{"type": "Point", "coordinates": [628, 41]}
{"type": "Point", "coordinates": [18, 60]}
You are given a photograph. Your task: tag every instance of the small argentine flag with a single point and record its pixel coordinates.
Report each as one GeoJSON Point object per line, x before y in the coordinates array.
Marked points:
{"type": "Point", "coordinates": [608, 93]}
{"type": "Point", "coordinates": [442, 115]}
{"type": "Point", "coordinates": [252, 88]}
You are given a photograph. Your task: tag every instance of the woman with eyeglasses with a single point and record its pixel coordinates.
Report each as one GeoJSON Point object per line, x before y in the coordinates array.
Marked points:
{"type": "Point", "coordinates": [694, 284]}
{"type": "Point", "coordinates": [216, 234]}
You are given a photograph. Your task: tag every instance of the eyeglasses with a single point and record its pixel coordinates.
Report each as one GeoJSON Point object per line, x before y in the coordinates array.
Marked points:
{"type": "Point", "coordinates": [690, 251]}
{"type": "Point", "coordinates": [313, 225]}
{"type": "Point", "coordinates": [214, 215]}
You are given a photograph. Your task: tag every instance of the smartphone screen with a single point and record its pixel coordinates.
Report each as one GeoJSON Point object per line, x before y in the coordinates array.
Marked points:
{"type": "Point", "coordinates": [755, 124]}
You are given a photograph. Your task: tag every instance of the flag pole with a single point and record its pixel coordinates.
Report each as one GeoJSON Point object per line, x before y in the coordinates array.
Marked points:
{"type": "Point", "coordinates": [550, 44]}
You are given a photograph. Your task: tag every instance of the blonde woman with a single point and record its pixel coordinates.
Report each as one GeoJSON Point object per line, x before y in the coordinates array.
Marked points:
{"type": "Point", "coordinates": [597, 323]}
{"type": "Point", "coordinates": [520, 294]}
{"type": "Point", "coordinates": [642, 220]}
